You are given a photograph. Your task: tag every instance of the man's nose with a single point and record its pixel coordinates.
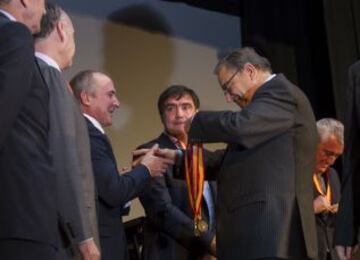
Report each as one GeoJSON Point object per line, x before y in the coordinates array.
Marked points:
{"type": "Point", "coordinates": [116, 102]}
{"type": "Point", "coordinates": [179, 112]}
{"type": "Point", "coordinates": [228, 98]}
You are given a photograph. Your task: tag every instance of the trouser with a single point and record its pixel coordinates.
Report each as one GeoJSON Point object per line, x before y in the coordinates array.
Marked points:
{"type": "Point", "coordinates": [18, 249]}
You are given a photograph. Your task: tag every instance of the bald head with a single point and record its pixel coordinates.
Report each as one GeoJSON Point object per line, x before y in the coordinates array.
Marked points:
{"type": "Point", "coordinates": [97, 95]}
{"type": "Point", "coordinates": [56, 37]}
{"type": "Point", "coordinates": [28, 12]}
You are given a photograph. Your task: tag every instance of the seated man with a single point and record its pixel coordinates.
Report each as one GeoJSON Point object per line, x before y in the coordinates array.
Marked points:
{"type": "Point", "coordinates": [327, 184]}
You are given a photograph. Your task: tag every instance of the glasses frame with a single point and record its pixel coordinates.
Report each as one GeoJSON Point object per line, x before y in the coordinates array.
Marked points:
{"type": "Point", "coordinates": [226, 86]}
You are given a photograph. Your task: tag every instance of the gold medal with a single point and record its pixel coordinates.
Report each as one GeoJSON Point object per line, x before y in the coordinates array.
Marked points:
{"type": "Point", "coordinates": [200, 227]}
{"type": "Point", "coordinates": [195, 175]}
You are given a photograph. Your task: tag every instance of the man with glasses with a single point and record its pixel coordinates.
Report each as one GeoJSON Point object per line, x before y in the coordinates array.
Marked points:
{"type": "Point", "coordinates": [327, 184]}
{"type": "Point", "coordinates": [265, 191]}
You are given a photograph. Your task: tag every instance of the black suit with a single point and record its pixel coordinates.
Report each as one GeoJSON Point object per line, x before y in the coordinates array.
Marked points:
{"type": "Point", "coordinates": [113, 192]}
{"type": "Point", "coordinates": [27, 181]}
{"type": "Point", "coordinates": [325, 222]}
{"type": "Point", "coordinates": [348, 217]}
{"type": "Point", "coordinates": [265, 181]}
{"type": "Point", "coordinates": [169, 216]}
{"type": "Point", "coordinates": [72, 163]}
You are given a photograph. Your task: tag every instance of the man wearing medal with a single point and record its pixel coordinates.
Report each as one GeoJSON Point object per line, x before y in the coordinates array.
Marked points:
{"type": "Point", "coordinates": [264, 207]}
{"type": "Point", "coordinates": [327, 184]}
{"type": "Point", "coordinates": [180, 216]}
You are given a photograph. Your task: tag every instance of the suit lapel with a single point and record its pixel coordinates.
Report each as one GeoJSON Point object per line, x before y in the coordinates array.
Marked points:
{"type": "Point", "coordinates": [93, 131]}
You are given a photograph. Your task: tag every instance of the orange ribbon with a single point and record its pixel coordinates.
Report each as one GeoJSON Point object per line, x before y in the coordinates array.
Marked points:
{"type": "Point", "coordinates": [195, 174]}
{"type": "Point", "coordinates": [318, 187]}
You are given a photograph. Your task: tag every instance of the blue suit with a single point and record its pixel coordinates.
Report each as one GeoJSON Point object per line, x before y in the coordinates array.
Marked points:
{"type": "Point", "coordinates": [113, 191]}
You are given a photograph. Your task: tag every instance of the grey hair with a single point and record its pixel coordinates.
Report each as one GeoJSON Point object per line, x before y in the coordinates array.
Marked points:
{"type": "Point", "coordinates": [236, 60]}
{"type": "Point", "coordinates": [330, 126]}
{"type": "Point", "coordinates": [83, 81]}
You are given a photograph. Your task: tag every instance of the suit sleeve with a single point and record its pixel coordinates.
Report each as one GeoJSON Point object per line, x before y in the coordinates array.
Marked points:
{"type": "Point", "coordinates": [74, 219]}
{"type": "Point", "coordinates": [268, 115]}
{"type": "Point", "coordinates": [168, 218]}
{"type": "Point", "coordinates": [16, 71]}
{"type": "Point", "coordinates": [114, 189]}
{"type": "Point", "coordinates": [347, 220]}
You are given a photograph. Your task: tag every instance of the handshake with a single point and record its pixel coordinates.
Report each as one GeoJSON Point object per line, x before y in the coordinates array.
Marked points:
{"type": "Point", "coordinates": [156, 160]}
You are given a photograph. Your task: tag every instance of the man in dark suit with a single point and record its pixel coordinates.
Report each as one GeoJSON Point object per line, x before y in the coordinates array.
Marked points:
{"type": "Point", "coordinates": [97, 96]}
{"type": "Point", "coordinates": [169, 230]}
{"type": "Point", "coordinates": [348, 217]}
{"type": "Point", "coordinates": [327, 184]}
{"type": "Point", "coordinates": [264, 208]}
{"type": "Point", "coordinates": [55, 48]}
{"type": "Point", "coordinates": [28, 219]}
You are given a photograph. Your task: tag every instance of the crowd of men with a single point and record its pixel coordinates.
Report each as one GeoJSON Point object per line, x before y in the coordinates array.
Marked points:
{"type": "Point", "coordinates": [272, 193]}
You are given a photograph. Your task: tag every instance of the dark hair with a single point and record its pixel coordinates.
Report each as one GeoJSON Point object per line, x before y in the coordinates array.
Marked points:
{"type": "Point", "coordinates": [83, 81]}
{"type": "Point", "coordinates": [236, 59]}
{"type": "Point", "coordinates": [49, 20]}
{"type": "Point", "coordinates": [176, 91]}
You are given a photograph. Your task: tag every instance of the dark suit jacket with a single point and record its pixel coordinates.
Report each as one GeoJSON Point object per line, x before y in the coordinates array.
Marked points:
{"type": "Point", "coordinates": [348, 217]}
{"type": "Point", "coordinates": [169, 228]}
{"type": "Point", "coordinates": [114, 191]}
{"type": "Point", "coordinates": [28, 203]}
{"type": "Point", "coordinates": [325, 222]}
{"type": "Point", "coordinates": [72, 162]}
{"type": "Point", "coordinates": [265, 182]}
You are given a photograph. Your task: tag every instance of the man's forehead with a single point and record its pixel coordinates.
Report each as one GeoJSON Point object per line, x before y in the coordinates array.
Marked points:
{"type": "Point", "coordinates": [179, 99]}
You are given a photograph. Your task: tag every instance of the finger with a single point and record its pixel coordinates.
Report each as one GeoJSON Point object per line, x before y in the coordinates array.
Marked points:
{"type": "Point", "coordinates": [167, 161]}
{"type": "Point", "coordinates": [340, 250]}
{"type": "Point", "coordinates": [155, 147]}
{"type": "Point", "coordinates": [137, 161]}
{"type": "Point", "coordinates": [140, 152]}
{"type": "Point", "coordinates": [348, 252]}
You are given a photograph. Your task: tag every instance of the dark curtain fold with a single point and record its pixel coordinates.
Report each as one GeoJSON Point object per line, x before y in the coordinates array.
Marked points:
{"type": "Point", "coordinates": [342, 20]}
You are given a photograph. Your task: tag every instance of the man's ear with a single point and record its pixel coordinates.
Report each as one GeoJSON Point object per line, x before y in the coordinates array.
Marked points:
{"type": "Point", "coordinates": [250, 70]}
{"type": "Point", "coordinates": [60, 29]}
{"type": "Point", "coordinates": [84, 99]}
{"type": "Point", "coordinates": [24, 3]}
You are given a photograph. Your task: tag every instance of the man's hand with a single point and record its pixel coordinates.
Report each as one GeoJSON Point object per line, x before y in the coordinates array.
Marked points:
{"type": "Point", "coordinates": [166, 153]}
{"type": "Point", "coordinates": [212, 248]}
{"type": "Point", "coordinates": [124, 170]}
{"type": "Point", "coordinates": [156, 165]}
{"type": "Point", "coordinates": [88, 250]}
{"type": "Point", "coordinates": [346, 252]}
{"type": "Point", "coordinates": [334, 208]}
{"type": "Point", "coordinates": [139, 154]}
{"type": "Point", "coordinates": [321, 204]}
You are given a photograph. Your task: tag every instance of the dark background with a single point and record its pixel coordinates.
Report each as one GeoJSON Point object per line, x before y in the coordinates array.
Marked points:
{"type": "Point", "coordinates": [312, 42]}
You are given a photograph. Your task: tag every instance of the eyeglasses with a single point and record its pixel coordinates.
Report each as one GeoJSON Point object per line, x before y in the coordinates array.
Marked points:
{"type": "Point", "coordinates": [225, 87]}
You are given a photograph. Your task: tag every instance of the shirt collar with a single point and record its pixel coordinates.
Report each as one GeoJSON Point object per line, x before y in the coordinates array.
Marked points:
{"type": "Point", "coordinates": [95, 123]}
{"type": "Point", "coordinates": [174, 140]}
{"type": "Point", "coordinates": [48, 60]}
{"type": "Point", "coordinates": [270, 77]}
{"type": "Point", "coordinates": [8, 15]}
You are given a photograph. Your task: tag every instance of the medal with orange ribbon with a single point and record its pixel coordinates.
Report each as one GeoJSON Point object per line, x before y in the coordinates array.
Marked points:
{"type": "Point", "coordinates": [327, 195]}
{"type": "Point", "coordinates": [195, 175]}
